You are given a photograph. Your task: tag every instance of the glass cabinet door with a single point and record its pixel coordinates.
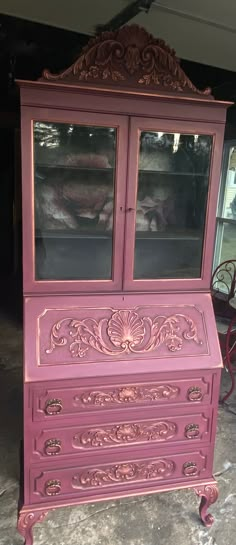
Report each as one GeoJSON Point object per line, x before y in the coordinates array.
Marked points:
{"type": "Point", "coordinates": [76, 228]}
{"type": "Point", "coordinates": [167, 211]}
{"type": "Point", "coordinates": [225, 248]}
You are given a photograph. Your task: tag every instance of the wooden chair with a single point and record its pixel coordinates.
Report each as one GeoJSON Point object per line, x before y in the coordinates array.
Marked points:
{"type": "Point", "coordinates": [223, 288]}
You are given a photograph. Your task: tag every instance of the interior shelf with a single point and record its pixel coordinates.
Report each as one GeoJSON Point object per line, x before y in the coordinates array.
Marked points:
{"type": "Point", "coordinates": [140, 235]}
{"type": "Point", "coordinates": [61, 234]}
{"type": "Point", "coordinates": [162, 235]}
{"type": "Point", "coordinates": [172, 173]}
{"type": "Point", "coordinates": [73, 168]}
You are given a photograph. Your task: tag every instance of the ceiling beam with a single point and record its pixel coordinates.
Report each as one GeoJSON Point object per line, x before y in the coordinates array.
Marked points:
{"type": "Point", "coordinates": [125, 15]}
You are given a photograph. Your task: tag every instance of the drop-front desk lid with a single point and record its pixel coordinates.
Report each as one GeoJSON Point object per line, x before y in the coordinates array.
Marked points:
{"type": "Point", "coordinates": [104, 335]}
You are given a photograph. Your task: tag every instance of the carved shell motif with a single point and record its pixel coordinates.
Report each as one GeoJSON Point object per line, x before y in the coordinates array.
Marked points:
{"type": "Point", "coordinates": [126, 329]}
{"type": "Point", "coordinates": [124, 332]}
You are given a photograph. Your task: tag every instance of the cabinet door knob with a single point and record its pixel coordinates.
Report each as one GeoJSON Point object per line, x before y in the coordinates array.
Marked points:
{"type": "Point", "coordinates": [53, 488]}
{"type": "Point", "coordinates": [130, 209]}
{"type": "Point", "coordinates": [52, 447]}
{"type": "Point", "coordinates": [53, 406]}
{"type": "Point", "coordinates": [192, 431]}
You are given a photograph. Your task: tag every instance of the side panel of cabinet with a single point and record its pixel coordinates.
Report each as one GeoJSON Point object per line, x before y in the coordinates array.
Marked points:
{"type": "Point", "coordinates": [173, 180]}
{"type": "Point", "coordinates": [73, 210]}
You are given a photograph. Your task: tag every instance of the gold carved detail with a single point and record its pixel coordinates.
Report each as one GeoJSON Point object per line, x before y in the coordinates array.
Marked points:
{"type": "Point", "coordinates": [128, 394]}
{"type": "Point", "coordinates": [125, 332]}
{"type": "Point", "coordinates": [126, 433]}
{"type": "Point", "coordinates": [130, 55]}
{"type": "Point", "coordinates": [121, 473]}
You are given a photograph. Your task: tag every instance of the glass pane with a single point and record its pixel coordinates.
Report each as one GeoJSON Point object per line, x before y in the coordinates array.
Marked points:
{"type": "Point", "coordinates": [228, 238]}
{"type": "Point", "coordinates": [74, 198]}
{"type": "Point", "coordinates": [171, 204]}
{"type": "Point", "coordinates": [229, 204]}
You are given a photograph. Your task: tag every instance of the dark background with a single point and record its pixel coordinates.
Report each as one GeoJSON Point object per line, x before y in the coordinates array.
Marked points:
{"type": "Point", "coordinates": [27, 48]}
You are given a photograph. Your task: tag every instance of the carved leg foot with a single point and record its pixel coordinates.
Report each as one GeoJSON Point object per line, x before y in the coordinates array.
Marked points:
{"type": "Point", "coordinates": [26, 521]}
{"type": "Point", "coordinates": [208, 495]}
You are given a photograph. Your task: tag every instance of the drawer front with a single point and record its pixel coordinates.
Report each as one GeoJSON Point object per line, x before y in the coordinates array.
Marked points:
{"type": "Point", "coordinates": [117, 474]}
{"type": "Point", "coordinates": [57, 402]}
{"type": "Point", "coordinates": [58, 442]}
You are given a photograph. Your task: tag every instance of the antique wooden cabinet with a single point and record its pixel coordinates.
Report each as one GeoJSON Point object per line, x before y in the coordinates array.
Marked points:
{"type": "Point", "coordinates": [121, 157]}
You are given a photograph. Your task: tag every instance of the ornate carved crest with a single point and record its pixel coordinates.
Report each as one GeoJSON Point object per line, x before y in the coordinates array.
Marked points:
{"type": "Point", "coordinates": [129, 56]}
{"type": "Point", "coordinates": [124, 333]}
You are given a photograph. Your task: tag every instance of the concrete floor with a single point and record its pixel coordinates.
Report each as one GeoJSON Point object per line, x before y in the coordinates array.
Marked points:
{"type": "Point", "coordinates": [168, 518]}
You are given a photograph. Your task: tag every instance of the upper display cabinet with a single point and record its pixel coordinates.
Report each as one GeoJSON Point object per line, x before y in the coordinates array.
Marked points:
{"type": "Point", "coordinates": [121, 158]}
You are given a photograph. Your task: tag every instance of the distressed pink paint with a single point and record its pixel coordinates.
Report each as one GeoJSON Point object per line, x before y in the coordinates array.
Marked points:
{"type": "Point", "coordinates": [129, 410]}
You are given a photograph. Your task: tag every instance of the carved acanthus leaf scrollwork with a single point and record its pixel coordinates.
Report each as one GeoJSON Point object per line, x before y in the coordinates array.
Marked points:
{"type": "Point", "coordinates": [125, 332]}
{"type": "Point", "coordinates": [129, 55]}
{"type": "Point", "coordinates": [126, 433]}
{"type": "Point", "coordinates": [120, 473]}
{"type": "Point", "coordinates": [128, 394]}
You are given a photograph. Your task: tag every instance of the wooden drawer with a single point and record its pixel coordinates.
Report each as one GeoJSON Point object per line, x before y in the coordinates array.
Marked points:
{"type": "Point", "coordinates": [55, 402]}
{"type": "Point", "coordinates": [57, 442]}
{"type": "Point", "coordinates": [131, 473]}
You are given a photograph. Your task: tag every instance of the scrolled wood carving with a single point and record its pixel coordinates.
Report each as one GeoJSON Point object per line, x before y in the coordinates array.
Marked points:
{"type": "Point", "coordinates": [132, 56]}
{"type": "Point", "coordinates": [208, 495]}
{"type": "Point", "coordinates": [125, 472]}
{"type": "Point", "coordinates": [126, 433]}
{"type": "Point", "coordinates": [128, 394]}
{"type": "Point", "coordinates": [125, 332]}
{"type": "Point", "coordinates": [26, 521]}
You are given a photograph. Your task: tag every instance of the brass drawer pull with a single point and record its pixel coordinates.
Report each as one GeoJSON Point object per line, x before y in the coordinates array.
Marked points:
{"type": "Point", "coordinates": [53, 488]}
{"type": "Point", "coordinates": [190, 469]}
{"type": "Point", "coordinates": [52, 447]}
{"type": "Point", "coordinates": [195, 393]}
{"type": "Point", "coordinates": [53, 406]}
{"type": "Point", "coordinates": [192, 431]}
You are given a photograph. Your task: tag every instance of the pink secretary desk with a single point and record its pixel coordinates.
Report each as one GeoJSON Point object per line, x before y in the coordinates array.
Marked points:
{"type": "Point", "coordinates": [121, 157]}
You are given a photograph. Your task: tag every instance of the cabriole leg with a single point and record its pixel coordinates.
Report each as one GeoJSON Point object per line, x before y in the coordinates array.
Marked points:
{"type": "Point", "coordinates": [26, 521]}
{"type": "Point", "coordinates": [208, 495]}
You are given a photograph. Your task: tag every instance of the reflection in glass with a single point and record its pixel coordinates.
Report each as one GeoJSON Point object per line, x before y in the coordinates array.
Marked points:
{"type": "Point", "coordinates": [171, 204]}
{"type": "Point", "coordinates": [229, 205]}
{"type": "Point", "coordinates": [228, 247]}
{"type": "Point", "coordinates": [74, 198]}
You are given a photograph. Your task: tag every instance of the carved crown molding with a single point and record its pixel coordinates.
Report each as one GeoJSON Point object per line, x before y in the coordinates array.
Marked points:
{"type": "Point", "coordinates": [129, 56]}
